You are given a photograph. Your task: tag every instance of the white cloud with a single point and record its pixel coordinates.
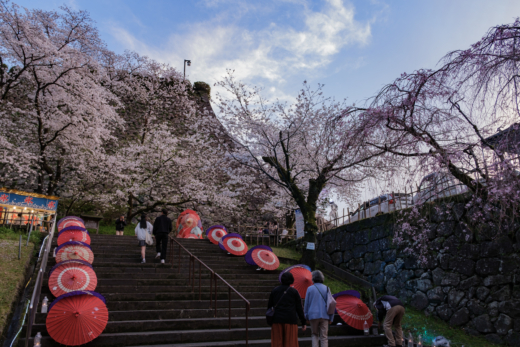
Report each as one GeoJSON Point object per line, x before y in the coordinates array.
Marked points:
{"type": "Point", "coordinates": [270, 54]}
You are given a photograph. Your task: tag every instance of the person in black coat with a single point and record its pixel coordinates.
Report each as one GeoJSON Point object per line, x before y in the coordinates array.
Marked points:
{"type": "Point", "coordinates": [391, 310]}
{"type": "Point", "coordinates": [120, 225]}
{"type": "Point", "coordinates": [288, 309]}
{"type": "Point", "coordinates": [161, 228]}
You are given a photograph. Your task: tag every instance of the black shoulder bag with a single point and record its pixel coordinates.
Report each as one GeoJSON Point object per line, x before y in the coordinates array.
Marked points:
{"type": "Point", "coordinates": [269, 315]}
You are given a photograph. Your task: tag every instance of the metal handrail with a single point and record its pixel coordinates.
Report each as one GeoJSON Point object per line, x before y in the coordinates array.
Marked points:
{"type": "Point", "coordinates": [214, 277]}
{"type": "Point", "coordinates": [35, 298]}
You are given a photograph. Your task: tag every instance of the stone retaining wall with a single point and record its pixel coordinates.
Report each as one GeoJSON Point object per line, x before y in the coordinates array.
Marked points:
{"type": "Point", "coordinates": [471, 278]}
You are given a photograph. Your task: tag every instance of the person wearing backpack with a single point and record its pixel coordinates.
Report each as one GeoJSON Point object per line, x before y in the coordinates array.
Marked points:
{"type": "Point", "coordinates": [283, 310]}
{"type": "Point", "coordinates": [317, 304]}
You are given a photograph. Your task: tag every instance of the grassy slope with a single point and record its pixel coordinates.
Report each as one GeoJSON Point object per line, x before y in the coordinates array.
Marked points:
{"type": "Point", "coordinates": [12, 273]}
{"type": "Point", "coordinates": [110, 229]}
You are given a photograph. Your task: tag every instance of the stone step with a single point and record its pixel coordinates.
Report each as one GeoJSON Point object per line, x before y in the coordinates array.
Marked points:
{"type": "Point", "coordinates": [183, 337]}
{"type": "Point", "coordinates": [178, 296]}
{"type": "Point", "coordinates": [125, 289]}
{"type": "Point", "coordinates": [334, 341]}
{"type": "Point", "coordinates": [205, 282]}
{"type": "Point", "coordinates": [145, 315]}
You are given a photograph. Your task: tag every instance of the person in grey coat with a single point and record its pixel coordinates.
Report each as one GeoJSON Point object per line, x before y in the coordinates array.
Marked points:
{"type": "Point", "coordinates": [141, 229]}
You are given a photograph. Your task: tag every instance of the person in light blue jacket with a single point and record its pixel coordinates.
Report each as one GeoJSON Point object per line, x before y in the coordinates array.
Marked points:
{"type": "Point", "coordinates": [316, 310]}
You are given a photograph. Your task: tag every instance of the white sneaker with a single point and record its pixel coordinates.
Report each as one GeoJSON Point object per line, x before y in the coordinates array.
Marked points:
{"type": "Point", "coordinates": [158, 255]}
{"type": "Point", "coordinates": [162, 261]}
{"type": "Point", "coordinates": [143, 261]}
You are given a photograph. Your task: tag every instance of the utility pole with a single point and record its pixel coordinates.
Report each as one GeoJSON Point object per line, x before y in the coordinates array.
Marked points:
{"type": "Point", "coordinates": [188, 62]}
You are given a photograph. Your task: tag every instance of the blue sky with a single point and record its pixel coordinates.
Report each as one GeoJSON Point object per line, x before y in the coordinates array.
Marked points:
{"type": "Point", "coordinates": [353, 47]}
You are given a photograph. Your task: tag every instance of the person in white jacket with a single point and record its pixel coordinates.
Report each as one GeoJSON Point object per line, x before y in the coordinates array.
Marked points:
{"type": "Point", "coordinates": [141, 229]}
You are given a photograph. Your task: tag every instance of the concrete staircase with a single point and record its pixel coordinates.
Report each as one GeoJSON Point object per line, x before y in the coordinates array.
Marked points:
{"type": "Point", "coordinates": [152, 303]}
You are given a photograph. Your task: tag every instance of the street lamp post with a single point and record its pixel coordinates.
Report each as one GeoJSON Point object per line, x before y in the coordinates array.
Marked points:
{"type": "Point", "coordinates": [188, 62]}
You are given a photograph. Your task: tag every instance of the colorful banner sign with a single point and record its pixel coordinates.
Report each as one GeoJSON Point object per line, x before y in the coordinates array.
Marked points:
{"type": "Point", "coordinates": [28, 201]}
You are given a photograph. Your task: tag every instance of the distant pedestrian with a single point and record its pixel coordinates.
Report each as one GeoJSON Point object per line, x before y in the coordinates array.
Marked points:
{"type": "Point", "coordinates": [161, 228]}
{"type": "Point", "coordinates": [316, 310]}
{"type": "Point", "coordinates": [391, 309]}
{"type": "Point", "coordinates": [142, 228]}
{"type": "Point", "coordinates": [120, 225]}
{"type": "Point", "coordinates": [288, 308]}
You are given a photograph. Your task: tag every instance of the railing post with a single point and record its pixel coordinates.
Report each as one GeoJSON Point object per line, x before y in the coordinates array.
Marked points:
{"type": "Point", "coordinates": [247, 324]}
{"type": "Point", "coordinates": [200, 279]}
{"type": "Point", "coordinates": [216, 295]}
{"type": "Point", "coordinates": [211, 289]}
{"type": "Point", "coordinates": [189, 270]}
{"type": "Point", "coordinates": [193, 275]}
{"type": "Point", "coordinates": [229, 297]}
{"type": "Point", "coordinates": [179, 266]}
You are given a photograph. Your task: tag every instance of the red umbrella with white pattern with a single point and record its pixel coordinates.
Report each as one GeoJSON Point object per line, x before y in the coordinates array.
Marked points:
{"type": "Point", "coordinates": [234, 245]}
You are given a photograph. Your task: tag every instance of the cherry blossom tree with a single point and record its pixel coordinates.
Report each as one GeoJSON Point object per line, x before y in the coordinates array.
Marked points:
{"type": "Point", "coordinates": [447, 119]}
{"type": "Point", "coordinates": [52, 101]}
{"type": "Point", "coordinates": [302, 148]}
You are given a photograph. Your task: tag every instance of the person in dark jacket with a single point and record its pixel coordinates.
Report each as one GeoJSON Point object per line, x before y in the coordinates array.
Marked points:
{"type": "Point", "coordinates": [288, 308]}
{"type": "Point", "coordinates": [391, 309]}
{"type": "Point", "coordinates": [120, 226]}
{"type": "Point", "coordinates": [161, 228]}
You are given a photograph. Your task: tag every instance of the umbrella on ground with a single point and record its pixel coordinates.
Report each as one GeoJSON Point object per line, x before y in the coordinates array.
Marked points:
{"type": "Point", "coordinates": [292, 267]}
{"type": "Point", "coordinates": [70, 223]}
{"type": "Point", "coordinates": [215, 233]}
{"type": "Point", "coordinates": [249, 258]}
{"type": "Point", "coordinates": [70, 276]}
{"type": "Point", "coordinates": [353, 311]}
{"type": "Point", "coordinates": [191, 236]}
{"type": "Point", "coordinates": [73, 234]}
{"type": "Point", "coordinates": [77, 317]}
{"type": "Point", "coordinates": [265, 259]}
{"type": "Point", "coordinates": [188, 223]}
{"type": "Point", "coordinates": [74, 250]}
{"type": "Point", "coordinates": [302, 280]}
{"type": "Point", "coordinates": [68, 218]}
{"type": "Point", "coordinates": [234, 245]}
{"type": "Point", "coordinates": [221, 241]}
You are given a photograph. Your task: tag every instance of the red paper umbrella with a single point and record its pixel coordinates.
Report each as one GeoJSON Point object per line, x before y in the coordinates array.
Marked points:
{"type": "Point", "coordinates": [74, 250]}
{"type": "Point", "coordinates": [71, 276]}
{"type": "Point", "coordinates": [69, 223]}
{"type": "Point", "coordinates": [235, 245]}
{"type": "Point", "coordinates": [302, 280]}
{"type": "Point", "coordinates": [215, 234]}
{"type": "Point", "coordinates": [265, 259]}
{"type": "Point", "coordinates": [353, 311]}
{"type": "Point", "coordinates": [73, 235]}
{"type": "Point", "coordinates": [74, 320]}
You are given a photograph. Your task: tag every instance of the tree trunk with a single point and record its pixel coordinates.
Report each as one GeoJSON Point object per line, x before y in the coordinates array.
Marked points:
{"type": "Point", "coordinates": [311, 229]}
{"type": "Point", "coordinates": [130, 208]}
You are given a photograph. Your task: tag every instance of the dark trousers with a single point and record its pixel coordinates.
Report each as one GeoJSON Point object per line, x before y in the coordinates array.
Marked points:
{"type": "Point", "coordinates": [161, 243]}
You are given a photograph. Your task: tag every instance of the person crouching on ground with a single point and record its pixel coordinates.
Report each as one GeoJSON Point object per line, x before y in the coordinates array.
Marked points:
{"type": "Point", "coordinates": [288, 308]}
{"type": "Point", "coordinates": [141, 229]}
{"type": "Point", "coordinates": [120, 226]}
{"type": "Point", "coordinates": [161, 228]}
{"type": "Point", "coordinates": [316, 310]}
{"type": "Point", "coordinates": [391, 309]}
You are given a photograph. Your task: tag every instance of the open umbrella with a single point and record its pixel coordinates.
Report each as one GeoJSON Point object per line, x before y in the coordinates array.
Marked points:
{"type": "Point", "coordinates": [69, 218]}
{"type": "Point", "coordinates": [348, 292]}
{"type": "Point", "coordinates": [249, 258]}
{"type": "Point", "coordinates": [70, 276]}
{"type": "Point", "coordinates": [74, 250]}
{"type": "Point", "coordinates": [292, 267]}
{"type": "Point", "coordinates": [265, 259]}
{"type": "Point", "coordinates": [234, 245]}
{"type": "Point", "coordinates": [353, 311]}
{"type": "Point", "coordinates": [302, 280]}
{"type": "Point", "coordinates": [69, 223]}
{"type": "Point", "coordinates": [77, 317]}
{"type": "Point", "coordinates": [188, 223]}
{"type": "Point", "coordinates": [221, 241]}
{"type": "Point", "coordinates": [215, 233]}
{"type": "Point", "coordinates": [73, 234]}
